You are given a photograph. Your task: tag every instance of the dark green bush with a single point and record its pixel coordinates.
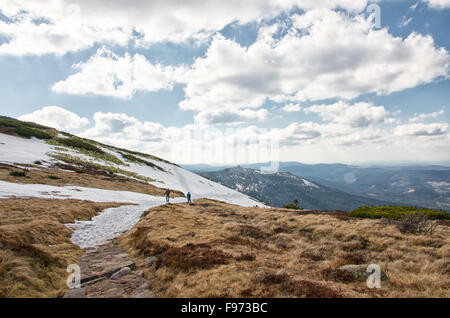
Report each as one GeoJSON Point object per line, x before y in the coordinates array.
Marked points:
{"type": "Point", "coordinates": [16, 173]}
{"type": "Point", "coordinates": [12, 122]}
{"type": "Point", "coordinates": [25, 129]}
{"type": "Point", "coordinates": [132, 158]}
{"type": "Point", "coordinates": [9, 122]}
{"type": "Point", "coordinates": [397, 212]}
{"type": "Point", "coordinates": [293, 205]}
{"type": "Point", "coordinates": [78, 143]}
{"type": "Point", "coordinates": [32, 132]}
{"type": "Point", "coordinates": [53, 177]}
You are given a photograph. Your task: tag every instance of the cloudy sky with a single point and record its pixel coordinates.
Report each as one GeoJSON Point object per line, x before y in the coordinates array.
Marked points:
{"type": "Point", "coordinates": [216, 81]}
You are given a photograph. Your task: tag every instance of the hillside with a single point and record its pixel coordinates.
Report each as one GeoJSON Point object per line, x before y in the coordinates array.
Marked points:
{"type": "Point", "coordinates": [42, 149]}
{"type": "Point", "coordinates": [419, 185]}
{"type": "Point", "coordinates": [280, 188]}
{"type": "Point", "coordinates": [61, 194]}
{"type": "Point", "coordinates": [214, 249]}
{"type": "Point", "coordinates": [67, 200]}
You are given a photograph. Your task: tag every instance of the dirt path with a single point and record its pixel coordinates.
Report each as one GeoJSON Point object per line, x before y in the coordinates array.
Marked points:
{"type": "Point", "coordinates": [108, 272]}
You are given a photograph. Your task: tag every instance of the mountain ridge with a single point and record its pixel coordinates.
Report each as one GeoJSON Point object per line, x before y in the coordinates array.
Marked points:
{"type": "Point", "coordinates": [280, 188]}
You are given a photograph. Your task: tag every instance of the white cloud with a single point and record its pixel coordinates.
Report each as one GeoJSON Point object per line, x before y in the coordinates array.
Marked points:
{"type": "Point", "coordinates": [234, 116]}
{"type": "Point", "coordinates": [422, 117]}
{"type": "Point", "coordinates": [41, 30]}
{"type": "Point", "coordinates": [342, 56]}
{"type": "Point", "coordinates": [179, 144]}
{"type": "Point", "coordinates": [108, 74]}
{"type": "Point", "coordinates": [438, 4]}
{"type": "Point", "coordinates": [292, 108]}
{"type": "Point", "coordinates": [79, 24]}
{"type": "Point", "coordinates": [414, 6]}
{"type": "Point", "coordinates": [357, 115]}
{"type": "Point", "coordinates": [306, 141]}
{"type": "Point", "coordinates": [330, 135]}
{"type": "Point", "coordinates": [328, 55]}
{"type": "Point", "coordinates": [420, 129]}
{"type": "Point", "coordinates": [124, 131]}
{"type": "Point", "coordinates": [297, 133]}
{"type": "Point", "coordinates": [56, 117]}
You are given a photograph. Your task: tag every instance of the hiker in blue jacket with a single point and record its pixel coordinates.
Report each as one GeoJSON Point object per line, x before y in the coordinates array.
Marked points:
{"type": "Point", "coordinates": [188, 197]}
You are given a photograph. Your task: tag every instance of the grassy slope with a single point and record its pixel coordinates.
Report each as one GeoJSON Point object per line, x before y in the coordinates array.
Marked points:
{"type": "Point", "coordinates": [91, 177]}
{"type": "Point", "coordinates": [92, 174]}
{"type": "Point", "coordinates": [213, 249]}
{"type": "Point", "coordinates": [24, 129]}
{"type": "Point", "coordinates": [35, 246]}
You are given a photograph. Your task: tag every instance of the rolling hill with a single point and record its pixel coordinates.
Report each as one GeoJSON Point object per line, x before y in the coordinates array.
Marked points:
{"type": "Point", "coordinates": [280, 188]}
{"type": "Point", "coordinates": [417, 185]}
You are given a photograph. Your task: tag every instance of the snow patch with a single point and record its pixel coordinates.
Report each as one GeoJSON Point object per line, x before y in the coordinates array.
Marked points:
{"type": "Point", "coordinates": [441, 187]}
{"type": "Point", "coordinates": [109, 224]}
{"type": "Point", "coordinates": [310, 184]}
{"type": "Point", "coordinates": [21, 150]}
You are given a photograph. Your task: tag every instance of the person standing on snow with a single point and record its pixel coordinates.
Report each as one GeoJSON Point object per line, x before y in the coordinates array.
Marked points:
{"type": "Point", "coordinates": [167, 193]}
{"type": "Point", "coordinates": [188, 197]}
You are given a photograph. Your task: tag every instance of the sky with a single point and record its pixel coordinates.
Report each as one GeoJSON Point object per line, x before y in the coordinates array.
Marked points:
{"type": "Point", "coordinates": [229, 82]}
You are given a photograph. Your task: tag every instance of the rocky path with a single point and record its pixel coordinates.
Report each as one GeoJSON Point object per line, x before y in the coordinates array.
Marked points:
{"type": "Point", "coordinates": [108, 272]}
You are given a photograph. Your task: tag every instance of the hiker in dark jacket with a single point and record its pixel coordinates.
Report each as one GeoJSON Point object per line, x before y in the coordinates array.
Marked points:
{"type": "Point", "coordinates": [167, 193]}
{"type": "Point", "coordinates": [188, 197]}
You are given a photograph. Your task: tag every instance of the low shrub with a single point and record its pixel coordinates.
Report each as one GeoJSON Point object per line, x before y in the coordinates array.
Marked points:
{"type": "Point", "coordinates": [251, 231]}
{"type": "Point", "coordinates": [53, 177]}
{"type": "Point", "coordinates": [274, 278]}
{"type": "Point", "coordinates": [86, 149]}
{"type": "Point", "coordinates": [397, 212]}
{"type": "Point", "coordinates": [245, 257]}
{"type": "Point", "coordinates": [314, 255]}
{"type": "Point", "coordinates": [416, 224]}
{"type": "Point", "coordinates": [192, 257]}
{"type": "Point", "coordinates": [355, 244]}
{"type": "Point", "coordinates": [78, 143]}
{"type": "Point", "coordinates": [138, 160]}
{"type": "Point", "coordinates": [293, 205]}
{"type": "Point", "coordinates": [357, 258]}
{"type": "Point", "coordinates": [337, 275]}
{"type": "Point", "coordinates": [15, 173]}
{"type": "Point", "coordinates": [32, 132]}
{"type": "Point", "coordinates": [111, 169]}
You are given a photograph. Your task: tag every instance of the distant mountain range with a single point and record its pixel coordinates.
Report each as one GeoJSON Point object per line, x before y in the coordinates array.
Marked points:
{"type": "Point", "coordinates": [426, 186]}
{"type": "Point", "coordinates": [277, 189]}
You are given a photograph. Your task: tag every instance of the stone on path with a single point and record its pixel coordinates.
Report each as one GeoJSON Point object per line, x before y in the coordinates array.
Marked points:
{"type": "Point", "coordinates": [122, 272]}
{"type": "Point", "coordinates": [75, 293]}
{"type": "Point", "coordinates": [109, 272]}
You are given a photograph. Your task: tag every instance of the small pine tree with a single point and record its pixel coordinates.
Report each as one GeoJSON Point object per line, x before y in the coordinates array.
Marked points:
{"type": "Point", "coordinates": [294, 205]}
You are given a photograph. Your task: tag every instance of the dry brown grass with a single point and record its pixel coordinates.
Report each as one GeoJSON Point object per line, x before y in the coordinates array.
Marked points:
{"type": "Point", "coordinates": [35, 246]}
{"type": "Point", "coordinates": [93, 178]}
{"type": "Point", "coordinates": [213, 249]}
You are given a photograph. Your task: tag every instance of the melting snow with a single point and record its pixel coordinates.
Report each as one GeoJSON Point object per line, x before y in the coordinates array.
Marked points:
{"type": "Point", "coordinates": [309, 184]}
{"type": "Point", "coordinates": [15, 149]}
{"type": "Point", "coordinates": [110, 222]}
